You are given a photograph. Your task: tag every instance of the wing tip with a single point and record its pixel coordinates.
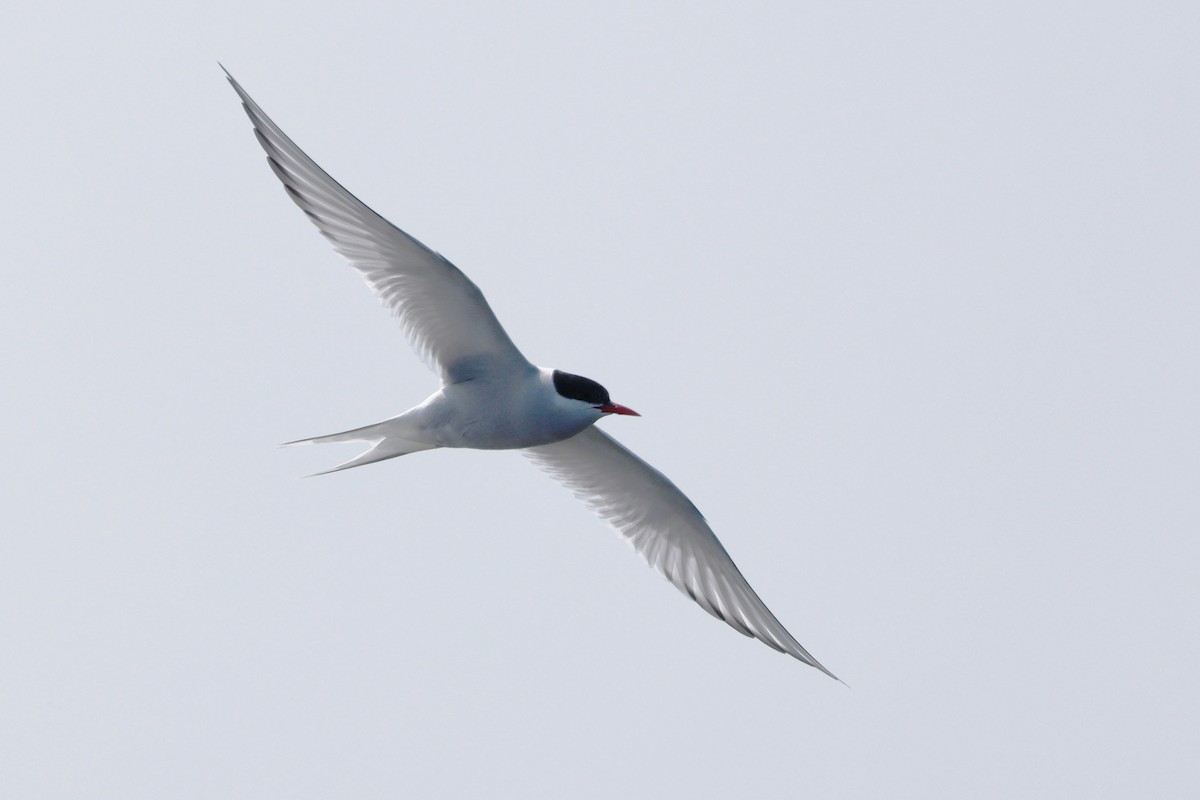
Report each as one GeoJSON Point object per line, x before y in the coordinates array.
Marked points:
{"type": "Point", "coordinates": [817, 665]}
{"type": "Point", "coordinates": [237, 87]}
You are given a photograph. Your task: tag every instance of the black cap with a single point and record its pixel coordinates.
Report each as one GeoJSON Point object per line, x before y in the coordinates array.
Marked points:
{"type": "Point", "coordinates": [579, 388]}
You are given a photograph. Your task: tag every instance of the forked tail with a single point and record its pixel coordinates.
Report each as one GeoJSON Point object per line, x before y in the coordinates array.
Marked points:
{"type": "Point", "coordinates": [385, 443]}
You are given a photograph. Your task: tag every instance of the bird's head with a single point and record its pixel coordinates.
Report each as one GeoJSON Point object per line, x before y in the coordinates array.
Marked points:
{"type": "Point", "coordinates": [586, 390]}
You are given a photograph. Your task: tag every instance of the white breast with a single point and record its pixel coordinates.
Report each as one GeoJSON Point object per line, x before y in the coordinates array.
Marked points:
{"type": "Point", "coordinates": [503, 412]}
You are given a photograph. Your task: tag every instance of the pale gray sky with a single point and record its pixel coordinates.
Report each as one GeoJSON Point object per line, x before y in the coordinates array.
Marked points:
{"type": "Point", "coordinates": [907, 295]}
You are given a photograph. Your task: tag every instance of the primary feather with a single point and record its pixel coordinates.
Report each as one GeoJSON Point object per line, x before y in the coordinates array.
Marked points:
{"type": "Point", "coordinates": [445, 316]}
{"type": "Point", "coordinates": [663, 525]}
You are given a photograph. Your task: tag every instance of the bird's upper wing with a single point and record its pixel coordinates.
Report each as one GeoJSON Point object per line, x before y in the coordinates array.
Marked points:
{"type": "Point", "coordinates": [445, 316]}
{"type": "Point", "coordinates": [662, 524]}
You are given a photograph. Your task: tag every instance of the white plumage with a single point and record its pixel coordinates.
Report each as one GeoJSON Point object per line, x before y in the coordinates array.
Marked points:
{"type": "Point", "coordinates": [491, 397]}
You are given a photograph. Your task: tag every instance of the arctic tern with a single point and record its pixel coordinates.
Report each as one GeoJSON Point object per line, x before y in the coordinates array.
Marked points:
{"type": "Point", "coordinates": [492, 398]}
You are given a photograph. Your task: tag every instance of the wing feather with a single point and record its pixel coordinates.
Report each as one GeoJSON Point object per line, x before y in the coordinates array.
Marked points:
{"type": "Point", "coordinates": [661, 524]}
{"type": "Point", "coordinates": [445, 316]}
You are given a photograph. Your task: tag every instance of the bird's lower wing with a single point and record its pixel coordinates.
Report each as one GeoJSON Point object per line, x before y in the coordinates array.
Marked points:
{"type": "Point", "coordinates": [666, 529]}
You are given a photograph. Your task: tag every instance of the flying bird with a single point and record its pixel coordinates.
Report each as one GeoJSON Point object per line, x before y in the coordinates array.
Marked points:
{"type": "Point", "coordinates": [493, 398]}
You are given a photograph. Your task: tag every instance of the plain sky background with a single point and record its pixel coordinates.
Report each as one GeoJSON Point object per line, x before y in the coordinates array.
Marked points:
{"type": "Point", "coordinates": [906, 293]}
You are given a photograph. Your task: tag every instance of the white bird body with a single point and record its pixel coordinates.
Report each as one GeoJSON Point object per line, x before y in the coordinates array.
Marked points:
{"type": "Point", "coordinates": [492, 411]}
{"type": "Point", "coordinates": [510, 412]}
{"type": "Point", "coordinates": [493, 398]}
